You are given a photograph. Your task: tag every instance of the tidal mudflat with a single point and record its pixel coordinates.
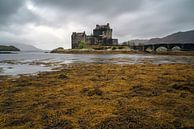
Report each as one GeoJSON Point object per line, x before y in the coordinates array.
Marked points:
{"type": "Point", "coordinates": [91, 95]}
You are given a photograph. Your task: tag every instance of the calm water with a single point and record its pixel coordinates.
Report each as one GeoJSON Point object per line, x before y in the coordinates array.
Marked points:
{"type": "Point", "coordinates": [33, 62]}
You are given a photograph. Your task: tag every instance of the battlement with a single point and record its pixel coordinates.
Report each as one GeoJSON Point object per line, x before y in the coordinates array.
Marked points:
{"type": "Point", "coordinates": [107, 26]}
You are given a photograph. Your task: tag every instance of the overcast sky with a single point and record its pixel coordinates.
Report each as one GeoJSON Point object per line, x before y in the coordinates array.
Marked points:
{"type": "Point", "coordinates": [48, 24]}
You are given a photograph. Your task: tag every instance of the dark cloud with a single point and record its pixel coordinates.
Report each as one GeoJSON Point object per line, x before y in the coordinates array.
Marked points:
{"type": "Point", "coordinates": [49, 23]}
{"type": "Point", "coordinates": [9, 8]}
{"type": "Point", "coordinates": [103, 7]}
{"type": "Point", "coordinates": [159, 19]}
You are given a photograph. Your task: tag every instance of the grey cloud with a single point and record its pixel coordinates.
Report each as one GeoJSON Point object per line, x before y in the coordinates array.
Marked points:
{"type": "Point", "coordinates": [129, 18]}
{"type": "Point", "coordinates": [160, 18]}
{"type": "Point", "coordinates": [23, 16]}
{"type": "Point", "coordinates": [103, 7]}
{"type": "Point", "coordinates": [8, 8]}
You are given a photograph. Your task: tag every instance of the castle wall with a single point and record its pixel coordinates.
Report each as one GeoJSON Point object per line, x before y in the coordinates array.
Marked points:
{"type": "Point", "coordinates": [102, 35]}
{"type": "Point", "coordinates": [76, 38]}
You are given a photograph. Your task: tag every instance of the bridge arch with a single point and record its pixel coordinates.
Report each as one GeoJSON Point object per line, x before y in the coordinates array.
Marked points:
{"type": "Point", "coordinates": [161, 49]}
{"type": "Point", "coordinates": [176, 48]}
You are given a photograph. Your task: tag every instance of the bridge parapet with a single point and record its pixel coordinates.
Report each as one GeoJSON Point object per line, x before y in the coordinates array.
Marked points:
{"type": "Point", "coordinates": [169, 46]}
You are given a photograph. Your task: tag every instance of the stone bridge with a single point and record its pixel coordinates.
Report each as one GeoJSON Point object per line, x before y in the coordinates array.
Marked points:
{"type": "Point", "coordinates": [153, 47]}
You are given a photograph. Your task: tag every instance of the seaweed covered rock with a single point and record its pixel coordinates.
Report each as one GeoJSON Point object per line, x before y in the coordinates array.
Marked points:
{"type": "Point", "coordinates": [91, 91]}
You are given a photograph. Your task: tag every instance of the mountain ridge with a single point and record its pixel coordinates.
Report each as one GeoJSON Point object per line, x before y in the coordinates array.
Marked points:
{"type": "Point", "coordinates": [178, 37]}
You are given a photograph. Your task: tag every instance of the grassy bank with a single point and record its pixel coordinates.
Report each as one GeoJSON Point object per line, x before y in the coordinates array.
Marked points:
{"type": "Point", "coordinates": [100, 96]}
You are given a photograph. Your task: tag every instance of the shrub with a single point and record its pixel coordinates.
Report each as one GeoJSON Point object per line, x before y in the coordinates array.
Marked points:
{"type": "Point", "coordinates": [114, 48]}
{"type": "Point", "coordinates": [121, 47]}
{"type": "Point", "coordinates": [82, 45]}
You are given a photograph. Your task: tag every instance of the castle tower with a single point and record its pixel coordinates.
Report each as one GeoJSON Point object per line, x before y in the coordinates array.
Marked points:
{"type": "Point", "coordinates": [102, 35]}
{"type": "Point", "coordinates": [76, 38]}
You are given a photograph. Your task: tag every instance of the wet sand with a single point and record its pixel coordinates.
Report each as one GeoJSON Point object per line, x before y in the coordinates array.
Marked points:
{"type": "Point", "coordinates": [89, 95]}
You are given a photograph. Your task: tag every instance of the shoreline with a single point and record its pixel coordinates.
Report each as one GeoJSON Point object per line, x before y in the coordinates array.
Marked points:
{"type": "Point", "coordinates": [80, 51]}
{"type": "Point", "coordinates": [52, 66]}
{"type": "Point", "coordinates": [90, 95]}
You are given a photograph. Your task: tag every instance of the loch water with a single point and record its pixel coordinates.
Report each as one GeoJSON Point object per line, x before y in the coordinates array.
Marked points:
{"type": "Point", "coordinates": [33, 62]}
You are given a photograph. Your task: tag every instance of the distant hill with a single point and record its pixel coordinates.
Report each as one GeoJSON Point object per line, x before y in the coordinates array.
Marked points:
{"type": "Point", "coordinates": [8, 48]}
{"type": "Point", "coordinates": [180, 37]}
{"type": "Point", "coordinates": [22, 47]}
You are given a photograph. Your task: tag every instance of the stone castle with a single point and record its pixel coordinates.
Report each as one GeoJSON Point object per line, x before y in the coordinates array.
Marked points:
{"type": "Point", "coordinates": [102, 35]}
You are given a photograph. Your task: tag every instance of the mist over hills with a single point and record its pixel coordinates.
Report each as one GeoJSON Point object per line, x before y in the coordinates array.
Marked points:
{"type": "Point", "coordinates": [22, 47]}
{"type": "Point", "coordinates": [8, 48]}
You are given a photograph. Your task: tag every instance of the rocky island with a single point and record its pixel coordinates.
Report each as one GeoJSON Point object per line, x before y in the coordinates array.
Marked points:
{"type": "Point", "coordinates": [101, 42]}
{"type": "Point", "coordinates": [8, 49]}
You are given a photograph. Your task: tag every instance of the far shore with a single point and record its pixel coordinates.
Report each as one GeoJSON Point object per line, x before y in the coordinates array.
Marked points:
{"type": "Point", "coordinates": [8, 52]}
{"type": "Point", "coordinates": [88, 51]}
